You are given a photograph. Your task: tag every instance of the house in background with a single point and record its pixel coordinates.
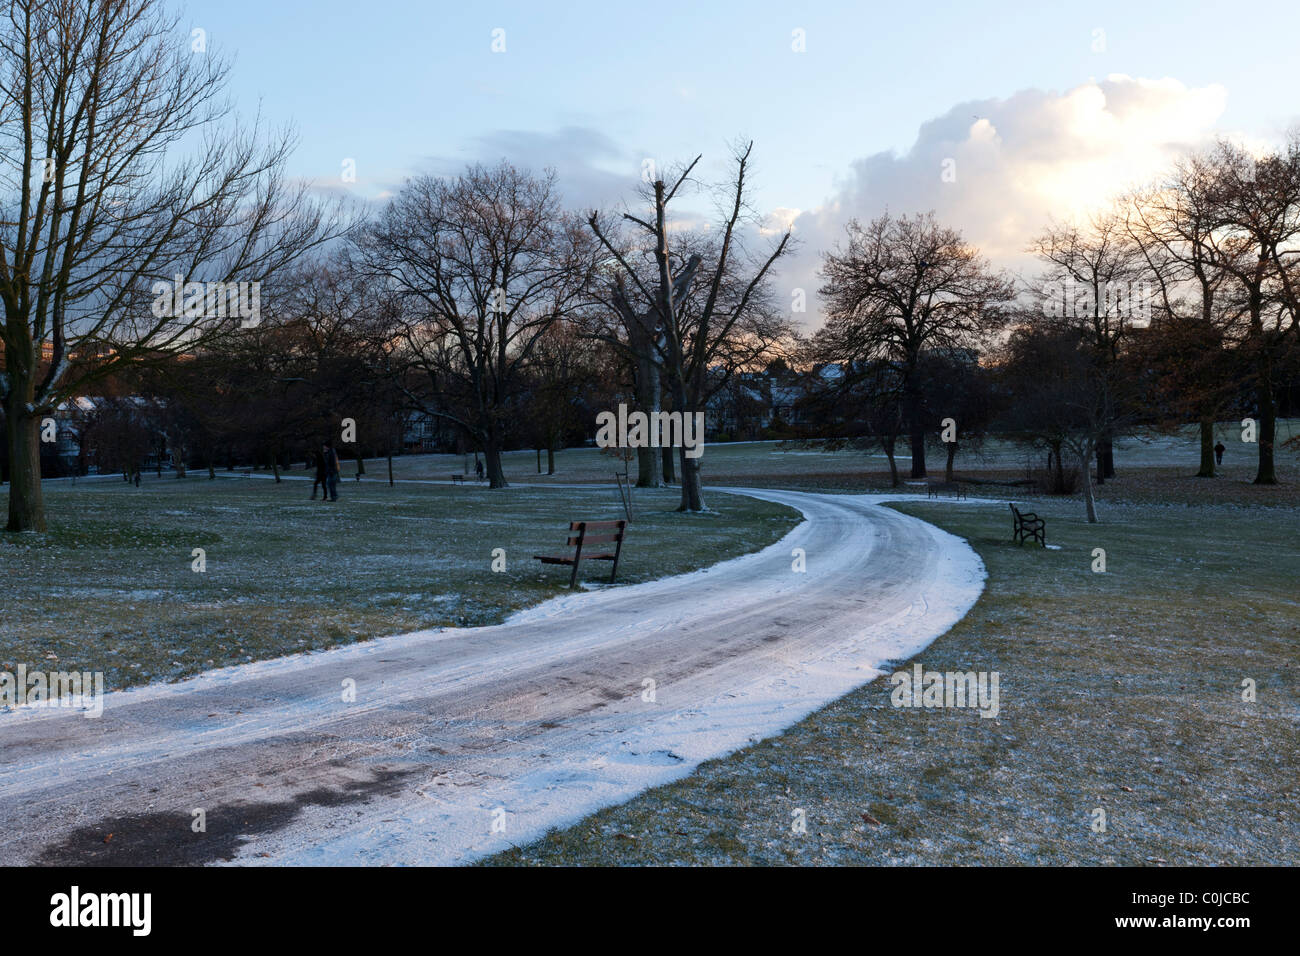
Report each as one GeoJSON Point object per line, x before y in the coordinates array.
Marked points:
{"type": "Point", "coordinates": [423, 433]}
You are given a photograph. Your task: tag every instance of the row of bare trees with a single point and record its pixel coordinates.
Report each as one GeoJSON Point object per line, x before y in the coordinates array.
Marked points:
{"type": "Point", "coordinates": [123, 175]}
{"type": "Point", "coordinates": [481, 301]}
{"type": "Point", "coordinates": [1161, 310]}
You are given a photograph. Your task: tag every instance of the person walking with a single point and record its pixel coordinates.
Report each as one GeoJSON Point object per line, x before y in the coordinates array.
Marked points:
{"type": "Point", "coordinates": [1218, 453]}
{"type": "Point", "coordinates": [331, 470]}
{"type": "Point", "coordinates": [318, 461]}
{"type": "Point", "coordinates": [478, 468]}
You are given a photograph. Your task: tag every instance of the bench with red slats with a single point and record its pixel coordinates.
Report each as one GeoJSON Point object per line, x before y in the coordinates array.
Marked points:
{"type": "Point", "coordinates": [590, 533]}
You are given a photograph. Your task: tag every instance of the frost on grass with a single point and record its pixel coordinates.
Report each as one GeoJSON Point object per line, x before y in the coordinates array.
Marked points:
{"type": "Point", "coordinates": [111, 587]}
{"type": "Point", "coordinates": [1120, 690]}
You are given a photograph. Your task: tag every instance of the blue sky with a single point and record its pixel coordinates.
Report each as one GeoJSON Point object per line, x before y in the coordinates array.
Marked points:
{"type": "Point", "coordinates": [395, 84]}
{"type": "Point", "coordinates": [857, 122]}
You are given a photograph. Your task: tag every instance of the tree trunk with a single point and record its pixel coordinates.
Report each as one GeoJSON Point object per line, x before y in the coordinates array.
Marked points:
{"type": "Point", "coordinates": [550, 459]}
{"type": "Point", "coordinates": [913, 403]}
{"type": "Point", "coordinates": [1207, 448]}
{"type": "Point", "coordinates": [492, 457]}
{"type": "Point", "coordinates": [22, 433]}
{"type": "Point", "coordinates": [1090, 503]}
{"type": "Point", "coordinates": [647, 468]}
{"type": "Point", "coordinates": [918, 452]}
{"type": "Point", "coordinates": [692, 493]}
{"type": "Point", "coordinates": [390, 468]}
{"type": "Point", "coordinates": [952, 453]}
{"type": "Point", "coordinates": [670, 475]}
{"type": "Point", "coordinates": [648, 399]}
{"type": "Point", "coordinates": [275, 468]}
{"type": "Point", "coordinates": [1267, 420]}
{"type": "Point", "coordinates": [894, 481]}
{"type": "Point", "coordinates": [539, 461]}
{"type": "Point", "coordinates": [1105, 460]}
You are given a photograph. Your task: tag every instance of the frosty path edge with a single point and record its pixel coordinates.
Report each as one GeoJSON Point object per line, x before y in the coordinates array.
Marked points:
{"type": "Point", "coordinates": [528, 724]}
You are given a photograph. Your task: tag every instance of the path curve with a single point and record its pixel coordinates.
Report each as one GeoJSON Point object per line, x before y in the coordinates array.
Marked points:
{"type": "Point", "coordinates": [462, 742]}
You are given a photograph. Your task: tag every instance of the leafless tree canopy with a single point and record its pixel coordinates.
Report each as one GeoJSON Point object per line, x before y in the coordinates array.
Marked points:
{"type": "Point", "coordinates": [118, 170]}
{"type": "Point", "coordinates": [702, 307]}
{"type": "Point", "coordinates": [901, 287]}
{"type": "Point", "coordinates": [480, 266]}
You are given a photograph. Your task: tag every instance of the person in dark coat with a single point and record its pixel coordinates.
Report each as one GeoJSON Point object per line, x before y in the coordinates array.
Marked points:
{"type": "Point", "coordinates": [331, 470]}
{"type": "Point", "coordinates": [1218, 453]}
{"type": "Point", "coordinates": [478, 468]}
{"type": "Point", "coordinates": [318, 460]}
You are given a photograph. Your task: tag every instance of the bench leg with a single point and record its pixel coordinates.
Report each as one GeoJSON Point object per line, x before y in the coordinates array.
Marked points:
{"type": "Point", "coordinates": [614, 570]}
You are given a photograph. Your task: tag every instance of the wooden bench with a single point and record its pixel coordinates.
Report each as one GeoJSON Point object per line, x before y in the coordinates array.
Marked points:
{"type": "Point", "coordinates": [458, 479]}
{"type": "Point", "coordinates": [588, 533]}
{"type": "Point", "coordinates": [934, 489]}
{"type": "Point", "coordinates": [1028, 525]}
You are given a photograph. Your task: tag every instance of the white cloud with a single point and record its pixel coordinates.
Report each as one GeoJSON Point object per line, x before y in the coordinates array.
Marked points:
{"type": "Point", "coordinates": [779, 220]}
{"type": "Point", "coordinates": [1013, 164]}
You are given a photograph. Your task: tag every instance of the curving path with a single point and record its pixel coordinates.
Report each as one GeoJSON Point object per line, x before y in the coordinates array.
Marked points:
{"type": "Point", "coordinates": [463, 742]}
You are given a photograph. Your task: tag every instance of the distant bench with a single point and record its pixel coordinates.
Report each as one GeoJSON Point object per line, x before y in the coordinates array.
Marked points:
{"type": "Point", "coordinates": [936, 489]}
{"type": "Point", "coordinates": [606, 533]}
{"type": "Point", "coordinates": [1028, 525]}
{"type": "Point", "coordinates": [458, 479]}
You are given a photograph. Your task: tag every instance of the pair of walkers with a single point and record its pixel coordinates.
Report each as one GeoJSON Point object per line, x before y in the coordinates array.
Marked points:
{"type": "Point", "coordinates": [327, 473]}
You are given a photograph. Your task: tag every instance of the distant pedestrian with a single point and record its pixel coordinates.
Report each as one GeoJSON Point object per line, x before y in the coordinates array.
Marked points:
{"type": "Point", "coordinates": [318, 460]}
{"type": "Point", "coordinates": [137, 477]}
{"type": "Point", "coordinates": [478, 468]}
{"type": "Point", "coordinates": [1218, 452]}
{"type": "Point", "coordinates": [331, 470]}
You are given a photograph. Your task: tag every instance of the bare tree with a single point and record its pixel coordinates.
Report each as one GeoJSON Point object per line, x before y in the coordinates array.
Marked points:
{"type": "Point", "coordinates": [856, 405]}
{"type": "Point", "coordinates": [902, 287]}
{"type": "Point", "coordinates": [633, 330]}
{"type": "Point", "coordinates": [1064, 395]}
{"type": "Point", "coordinates": [1256, 238]}
{"type": "Point", "coordinates": [1173, 225]}
{"type": "Point", "coordinates": [118, 176]}
{"type": "Point", "coordinates": [566, 370]}
{"type": "Point", "coordinates": [726, 324]}
{"type": "Point", "coordinates": [480, 267]}
{"type": "Point", "coordinates": [1093, 282]}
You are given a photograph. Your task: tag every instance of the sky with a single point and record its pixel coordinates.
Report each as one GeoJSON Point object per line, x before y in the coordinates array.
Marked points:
{"type": "Point", "coordinates": [997, 116]}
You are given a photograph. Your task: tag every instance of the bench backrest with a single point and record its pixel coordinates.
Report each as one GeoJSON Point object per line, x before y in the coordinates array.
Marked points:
{"type": "Point", "coordinates": [606, 532]}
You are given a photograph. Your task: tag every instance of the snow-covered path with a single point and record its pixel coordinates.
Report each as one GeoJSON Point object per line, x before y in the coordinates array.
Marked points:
{"type": "Point", "coordinates": [463, 742]}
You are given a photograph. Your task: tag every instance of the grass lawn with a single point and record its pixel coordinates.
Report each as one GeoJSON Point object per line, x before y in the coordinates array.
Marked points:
{"type": "Point", "coordinates": [1154, 469]}
{"type": "Point", "coordinates": [1119, 690]}
{"type": "Point", "coordinates": [110, 587]}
